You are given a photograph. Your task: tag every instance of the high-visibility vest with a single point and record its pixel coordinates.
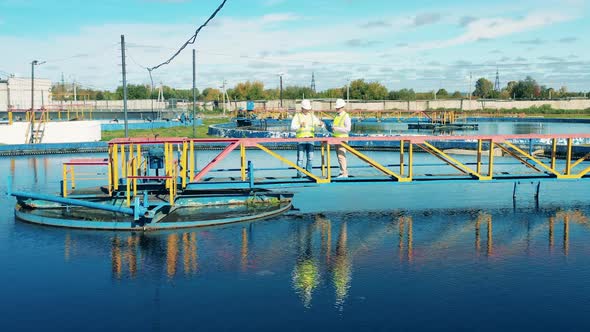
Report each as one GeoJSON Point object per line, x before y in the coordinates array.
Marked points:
{"type": "Point", "coordinates": [339, 122]}
{"type": "Point", "coordinates": [309, 130]}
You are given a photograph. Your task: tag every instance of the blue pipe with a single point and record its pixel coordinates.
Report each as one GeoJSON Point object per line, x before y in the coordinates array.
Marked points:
{"type": "Point", "coordinates": [77, 202]}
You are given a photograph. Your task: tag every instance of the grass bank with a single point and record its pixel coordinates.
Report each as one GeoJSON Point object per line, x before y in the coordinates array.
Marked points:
{"type": "Point", "coordinates": [186, 131]}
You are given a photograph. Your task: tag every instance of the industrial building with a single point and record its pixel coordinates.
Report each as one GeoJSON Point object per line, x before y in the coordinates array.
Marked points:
{"type": "Point", "coordinates": [15, 93]}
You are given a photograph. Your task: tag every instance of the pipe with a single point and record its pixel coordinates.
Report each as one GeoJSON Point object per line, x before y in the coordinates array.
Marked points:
{"type": "Point", "coordinates": [77, 202]}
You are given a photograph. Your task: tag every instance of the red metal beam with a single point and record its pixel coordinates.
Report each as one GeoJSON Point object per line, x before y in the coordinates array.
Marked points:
{"type": "Point", "coordinates": [216, 160]}
{"type": "Point", "coordinates": [332, 140]}
{"type": "Point", "coordinates": [87, 162]}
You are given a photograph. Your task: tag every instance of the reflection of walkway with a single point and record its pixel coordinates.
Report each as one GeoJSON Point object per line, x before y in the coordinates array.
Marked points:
{"type": "Point", "coordinates": [127, 254]}
{"type": "Point", "coordinates": [566, 217]}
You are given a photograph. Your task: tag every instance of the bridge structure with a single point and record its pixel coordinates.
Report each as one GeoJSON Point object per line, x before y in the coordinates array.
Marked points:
{"type": "Point", "coordinates": [128, 163]}
{"type": "Point", "coordinates": [154, 182]}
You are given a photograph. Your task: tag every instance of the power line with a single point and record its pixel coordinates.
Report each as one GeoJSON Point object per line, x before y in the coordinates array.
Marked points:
{"type": "Point", "coordinates": [191, 40]}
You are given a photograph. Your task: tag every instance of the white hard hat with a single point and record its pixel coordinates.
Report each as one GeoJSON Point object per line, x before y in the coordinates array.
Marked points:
{"type": "Point", "coordinates": [306, 104]}
{"type": "Point", "coordinates": [340, 103]}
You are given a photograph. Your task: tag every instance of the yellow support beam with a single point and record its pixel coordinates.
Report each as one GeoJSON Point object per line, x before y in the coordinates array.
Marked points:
{"type": "Point", "coordinates": [456, 162]}
{"type": "Point", "coordinates": [123, 162]}
{"type": "Point", "coordinates": [192, 159]}
{"type": "Point", "coordinates": [491, 161]}
{"type": "Point", "coordinates": [323, 152]}
{"type": "Point", "coordinates": [329, 164]}
{"type": "Point", "coordinates": [128, 184]}
{"type": "Point", "coordinates": [65, 180]}
{"type": "Point", "coordinates": [290, 163]}
{"type": "Point", "coordinates": [73, 177]}
{"type": "Point", "coordinates": [242, 161]}
{"type": "Point", "coordinates": [401, 158]}
{"type": "Point", "coordinates": [110, 171]}
{"type": "Point", "coordinates": [553, 153]}
{"type": "Point", "coordinates": [581, 160]}
{"type": "Point", "coordinates": [183, 161]}
{"type": "Point", "coordinates": [568, 158]}
{"type": "Point", "coordinates": [115, 165]}
{"type": "Point", "coordinates": [537, 161]}
{"type": "Point", "coordinates": [479, 152]}
{"type": "Point", "coordinates": [134, 165]}
{"type": "Point", "coordinates": [410, 161]}
{"type": "Point", "coordinates": [374, 163]}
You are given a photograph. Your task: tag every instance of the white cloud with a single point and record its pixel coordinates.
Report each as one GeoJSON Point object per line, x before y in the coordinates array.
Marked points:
{"type": "Point", "coordinates": [279, 17]}
{"type": "Point", "coordinates": [257, 48]}
{"type": "Point", "coordinates": [492, 28]}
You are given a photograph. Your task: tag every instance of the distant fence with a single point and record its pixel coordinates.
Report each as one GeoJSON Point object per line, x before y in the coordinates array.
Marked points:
{"type": "Point", "coordinates": [384, 105]}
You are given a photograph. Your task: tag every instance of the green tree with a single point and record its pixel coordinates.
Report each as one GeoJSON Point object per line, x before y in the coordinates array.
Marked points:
{"type": "Point", "coordinates": [359, 89]}
{"type": "Point", "coordinates": [525, 89]}
{"type": "Point", "coordinates": [442, 93]}
{"type": "Point", "coordinates": [403, 94]}
{"type": "Point", "coordinates": [457, 94]}
{"type": "Point", "coordinates": [134, 91]}
{"type": "Point", "coordinates": [210, 94]}
{"type": "Point", "coordinates": [483, 88]}
{"type": "Point", "coordinates": [333, 93]}
{"type": "Point", "coordinates": [247, 91]}
{"type": "Point", "coordinates": [298, 92]}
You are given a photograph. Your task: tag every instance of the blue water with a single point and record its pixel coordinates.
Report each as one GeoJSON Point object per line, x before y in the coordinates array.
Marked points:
{"type": "Point", "coordinates": [485, 128]}
{"type": "Point", "coordinates": [499, 269]}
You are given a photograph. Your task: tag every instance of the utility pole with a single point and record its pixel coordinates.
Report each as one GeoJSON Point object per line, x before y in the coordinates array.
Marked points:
{"type": "Point", "coordinates": [470, 87]}
{"type": "Point", "coordinates": [33, 84]}
{"type": "Point", "coordinates": [194, 94]}
{"type": "Point", "coordinates": [281, 89]}
{"type": "Point", "coordinates": [33, 64]}
{"type": "Point", "coordinates": [75, 93]}
{"type": "Point", "coordinates": [63, 87]}
{"type": "Point", "coordinates": [124, 84]}
{"type": "Point", "coordinates": [497, 82]}
{"type": "Point", "coordinates": [348, 91]}
{"type": "Point", "coordinates": [223, 96]}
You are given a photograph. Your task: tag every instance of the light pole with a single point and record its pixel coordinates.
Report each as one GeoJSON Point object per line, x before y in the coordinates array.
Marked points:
{"type": "Point", "coordinates": [348, 92]}
{"type": "Point", "coordinates": [33, 64]}
{"type": "Point", "coordinates": [281, 88]}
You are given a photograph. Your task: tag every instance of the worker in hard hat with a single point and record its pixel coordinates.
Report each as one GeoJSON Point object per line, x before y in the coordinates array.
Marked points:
{"type": "Point", "coordinates": [303, 124]}
{"type": "Point", "coordinates": [341, 128]}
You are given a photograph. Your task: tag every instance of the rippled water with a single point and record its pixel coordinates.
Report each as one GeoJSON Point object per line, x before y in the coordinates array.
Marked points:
{"type": "Point", "coordinates": [421, 269]}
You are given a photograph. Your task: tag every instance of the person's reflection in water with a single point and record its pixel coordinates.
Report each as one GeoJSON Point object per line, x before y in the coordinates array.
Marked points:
{"type": "Point", "coordinates": [244, 250]}
{"type": "Point", "coordinates": [342, 268]}
{"type": "Point", "coordinates": [116, 258]}
{"type": "Point", "coordinates": [189, 252]}
{"type": "Point", "coordinates": [171, 255]}
{"type": "Point", "coordinates": [405, 225]}
{"type": "Point", "coordinates": [306, 274]}
{"type": "Point", "coordinates": [124, 256]}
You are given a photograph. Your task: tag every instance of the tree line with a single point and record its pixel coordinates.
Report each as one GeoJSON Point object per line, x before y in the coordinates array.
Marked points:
{"type": "Point", "coordinates": [358, 90]}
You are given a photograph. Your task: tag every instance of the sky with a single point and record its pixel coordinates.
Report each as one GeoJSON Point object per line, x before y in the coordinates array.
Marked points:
{"type": "Point", "coordinates": [419, 44]}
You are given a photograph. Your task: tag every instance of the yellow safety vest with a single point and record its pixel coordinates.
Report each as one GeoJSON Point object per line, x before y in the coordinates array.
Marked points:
{"type": "Point", "coordinates": [339, 122]}
{"type": "Point", "coordinates": [308, 131]}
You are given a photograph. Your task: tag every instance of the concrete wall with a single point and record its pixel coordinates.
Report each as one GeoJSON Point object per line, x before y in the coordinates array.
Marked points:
{"type": "Point", "coordinates": [3, 96]}
{"type": "Point", "coordinates": [55, 132]}
{"type": "Point", "coordinates": [421, 105]}
{"type": "Point", "coordinates": [18, 94]}
{"type": "Point", "coordinates": [415, 105]}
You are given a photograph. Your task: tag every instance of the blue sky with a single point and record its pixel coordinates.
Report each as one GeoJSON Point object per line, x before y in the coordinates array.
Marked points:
{"type": "Point", "coordinates": [420, 44]}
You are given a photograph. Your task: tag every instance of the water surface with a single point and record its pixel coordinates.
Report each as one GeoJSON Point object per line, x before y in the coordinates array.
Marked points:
{"type": "Point", "coordinates": [499, 269]}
